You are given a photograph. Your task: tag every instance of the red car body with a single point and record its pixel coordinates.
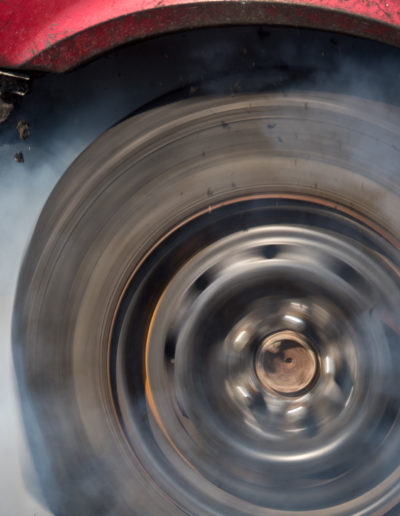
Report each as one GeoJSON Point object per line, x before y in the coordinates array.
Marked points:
{"type": "Point", "coordinates": [57, 35]}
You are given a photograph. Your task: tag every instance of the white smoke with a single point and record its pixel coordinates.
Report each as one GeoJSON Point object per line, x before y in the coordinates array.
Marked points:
{"type": "Point", "coordinates": [67, 113]}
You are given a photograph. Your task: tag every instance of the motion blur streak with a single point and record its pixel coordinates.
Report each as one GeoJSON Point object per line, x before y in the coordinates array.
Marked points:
{"type": "Point", "coordinates": [67, 113]}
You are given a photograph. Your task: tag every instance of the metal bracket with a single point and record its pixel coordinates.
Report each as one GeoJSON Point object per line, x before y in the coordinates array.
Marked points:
{"type": "Point", "coordinates": [12, 85]}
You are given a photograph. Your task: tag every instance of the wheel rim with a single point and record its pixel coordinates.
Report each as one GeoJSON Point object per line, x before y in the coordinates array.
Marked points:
{"type": "Point", "coordinates": [268, 328]}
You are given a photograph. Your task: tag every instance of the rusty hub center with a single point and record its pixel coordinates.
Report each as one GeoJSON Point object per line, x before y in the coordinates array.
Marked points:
{"type": "Point", "coordinates": [286, 363]}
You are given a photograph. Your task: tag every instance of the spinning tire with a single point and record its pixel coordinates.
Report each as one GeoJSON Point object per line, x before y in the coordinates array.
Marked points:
{"type": "Point", "coordinates": [207, 316]}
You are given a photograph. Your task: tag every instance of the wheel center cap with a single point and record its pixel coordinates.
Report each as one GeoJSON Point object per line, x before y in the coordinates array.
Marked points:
{"type": "Point", "coordinates": [286, 363]}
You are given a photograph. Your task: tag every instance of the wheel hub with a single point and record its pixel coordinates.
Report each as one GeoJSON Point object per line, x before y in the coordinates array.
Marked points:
{"type": "Point", "coordinates": [265, 356]}
{"type": "Point", "coordinates": [286, 363]}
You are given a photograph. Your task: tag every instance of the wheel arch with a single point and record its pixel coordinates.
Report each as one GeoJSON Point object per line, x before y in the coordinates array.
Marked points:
{"type": "Point", "coordinates": [61, 35]}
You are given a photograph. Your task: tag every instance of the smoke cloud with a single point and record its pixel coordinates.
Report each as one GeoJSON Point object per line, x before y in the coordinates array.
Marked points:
{"type": "Point", "coordinates": [66, 113]}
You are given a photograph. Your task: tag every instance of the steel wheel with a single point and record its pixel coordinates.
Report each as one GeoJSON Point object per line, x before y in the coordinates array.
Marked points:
{"type": "Point", "coordinates": [207, 318]}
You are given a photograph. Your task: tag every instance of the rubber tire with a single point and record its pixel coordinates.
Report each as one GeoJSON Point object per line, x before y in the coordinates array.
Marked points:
{"type": "Point", "coordinates": [124, 192]}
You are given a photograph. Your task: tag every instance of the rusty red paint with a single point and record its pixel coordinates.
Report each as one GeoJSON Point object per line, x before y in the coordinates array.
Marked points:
{"type": "Point", "coordinates": [57, 35]}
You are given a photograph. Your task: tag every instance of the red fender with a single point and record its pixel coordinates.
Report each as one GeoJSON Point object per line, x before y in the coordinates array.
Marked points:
{"type": "Point", "coordinates": [57, 35]}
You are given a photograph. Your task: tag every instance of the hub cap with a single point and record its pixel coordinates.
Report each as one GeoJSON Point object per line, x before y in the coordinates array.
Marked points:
{"type": "Point", "coordinates": [286, 364]}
